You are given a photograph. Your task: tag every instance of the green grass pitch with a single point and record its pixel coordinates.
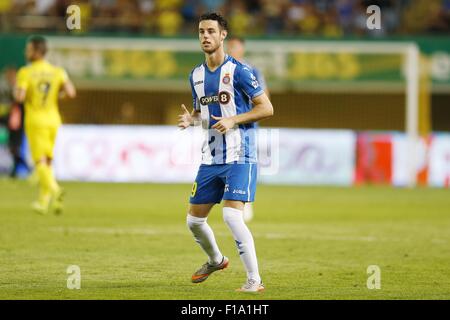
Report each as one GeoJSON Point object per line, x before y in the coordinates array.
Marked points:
{"type": "Point", "coordinates": [131, 242]}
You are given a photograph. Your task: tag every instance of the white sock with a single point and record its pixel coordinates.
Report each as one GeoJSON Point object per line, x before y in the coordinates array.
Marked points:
{"type": "Point", "coordinates": [204, 236]}
{"type": "Point", "coordinates": [244, 241]}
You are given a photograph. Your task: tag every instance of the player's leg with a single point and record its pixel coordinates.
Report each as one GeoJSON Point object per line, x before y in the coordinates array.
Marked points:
{"type": "Point", "coordinates": [42, 205]}
{"type": "Point", "coordinates": [14, 149]}
{"type": "Point", "coordinates": [201, 231]}
{"type": "Point", "coordinates": [46, 163]}
{"type": "Point", "coordinates": [57, 193]}
{"type": "Point", "coordinates": [56, 190]}
{"type": "Point", "coordinates": [44, 169]}
{"type": "Point", "coordinates": [207, 190]}
{"type": "Point", "coordinates": [204, 236]}
{"type": "Point", "coordinates": [37, 139]}
{"type": "Point", "coordinates": [53, 131]}
{"type": "Point", "coordinates": [241, 182]}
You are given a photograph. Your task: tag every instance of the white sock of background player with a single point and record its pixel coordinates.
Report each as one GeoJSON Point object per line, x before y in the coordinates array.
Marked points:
{"type": "Point", "coordinates": [248, 211]}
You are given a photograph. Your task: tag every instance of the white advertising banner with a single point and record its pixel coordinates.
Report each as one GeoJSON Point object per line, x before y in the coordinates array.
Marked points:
{"type": "Point", "coordinates": [400, 158]}
{"type": "Point", "coordinates": [439, 165]}
{"type": "Point", "coordinates": [433, 159]}
{"type": "Point", "coordinates": [126, 154]}
{"type": "Point", "coordinates": [314, 157]}
{"type": "Point", "coordinates": [167, 154]}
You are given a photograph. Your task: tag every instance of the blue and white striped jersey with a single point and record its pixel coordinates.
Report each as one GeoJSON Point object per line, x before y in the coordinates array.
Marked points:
{"type": "Point", "coordinates": [258, 74]}
{"type": "Point", "coordinates": [225, 92]}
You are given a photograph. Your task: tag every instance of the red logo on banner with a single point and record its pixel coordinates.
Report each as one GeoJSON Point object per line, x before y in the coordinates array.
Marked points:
{"type": "Point", "coordinates": [373, 159]}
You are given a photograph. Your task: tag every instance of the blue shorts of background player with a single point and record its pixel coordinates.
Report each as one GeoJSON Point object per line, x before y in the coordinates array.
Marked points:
{"type": "Point", "coordinates": [230, 181]}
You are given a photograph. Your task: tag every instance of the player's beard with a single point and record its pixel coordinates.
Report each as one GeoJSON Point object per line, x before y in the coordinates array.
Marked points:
{"type": "Point", "coordinates": [211, 50]}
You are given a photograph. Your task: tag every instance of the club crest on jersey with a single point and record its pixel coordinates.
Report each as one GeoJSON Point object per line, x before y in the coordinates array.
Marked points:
{"type": "Point", "coordinates": [226, 79]}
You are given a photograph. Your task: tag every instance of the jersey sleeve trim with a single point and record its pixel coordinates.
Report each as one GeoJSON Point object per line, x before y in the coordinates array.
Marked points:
{"type": "Point", "coordinates": [256, 94]}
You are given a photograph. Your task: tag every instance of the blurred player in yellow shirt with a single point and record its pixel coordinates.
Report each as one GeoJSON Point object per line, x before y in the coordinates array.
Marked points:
{"type": "Point", "coordinates": [38, 86]}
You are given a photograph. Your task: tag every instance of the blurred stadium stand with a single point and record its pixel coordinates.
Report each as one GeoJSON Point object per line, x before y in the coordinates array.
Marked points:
{"type": "Point", "coordinates": [329, 18]}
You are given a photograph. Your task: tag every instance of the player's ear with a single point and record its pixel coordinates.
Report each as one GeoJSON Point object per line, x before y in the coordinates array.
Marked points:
{"type": "Point", "coordinates": [224, 34]}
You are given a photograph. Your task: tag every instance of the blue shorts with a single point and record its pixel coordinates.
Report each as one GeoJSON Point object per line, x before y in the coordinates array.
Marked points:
{"type": "Point", "coordinates": [230, 181]}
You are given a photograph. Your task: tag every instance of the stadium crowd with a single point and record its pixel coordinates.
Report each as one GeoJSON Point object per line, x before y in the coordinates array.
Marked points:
{"type": "Point", "coordinates": [332, 18]}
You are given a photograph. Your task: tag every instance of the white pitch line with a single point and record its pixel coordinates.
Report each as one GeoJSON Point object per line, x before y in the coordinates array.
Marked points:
{"type": "Point", "coordinates": [267, 235]}
{"type": "Point", "coordinates": [106, 230]}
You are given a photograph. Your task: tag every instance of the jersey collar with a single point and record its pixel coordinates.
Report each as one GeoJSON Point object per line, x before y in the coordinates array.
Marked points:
{"type": "Point", "coordinates": [227, 57]}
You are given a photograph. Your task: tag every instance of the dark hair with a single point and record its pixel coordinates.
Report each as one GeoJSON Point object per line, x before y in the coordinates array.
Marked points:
{"type": "Point", "coordinates": [39, 44]}
{"type": "Point", "coordinates": [237, 38]}
{"type": "Point", "coordinates": [223, 24]}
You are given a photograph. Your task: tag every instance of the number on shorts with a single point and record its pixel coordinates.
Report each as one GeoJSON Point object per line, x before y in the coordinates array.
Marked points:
{"type": "Point", "coordinates": [194, 189]}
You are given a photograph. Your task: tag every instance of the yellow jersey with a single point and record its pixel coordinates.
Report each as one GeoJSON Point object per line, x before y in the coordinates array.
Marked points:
{"type": "Point", "coordinates": [42, 82]}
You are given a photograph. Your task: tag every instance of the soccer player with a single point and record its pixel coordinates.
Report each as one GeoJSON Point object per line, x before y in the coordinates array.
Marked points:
{"type": "Point", "coordinates": [13, 119]}
{"type": "Point", "coordinates": [228, 100]}
{"type": "Point", "coordinates": [236, 49]}
{"type": "Point", "coordinates": [38, 86]}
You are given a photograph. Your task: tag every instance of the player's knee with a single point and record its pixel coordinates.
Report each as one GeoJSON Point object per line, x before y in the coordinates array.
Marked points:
{"type": "Point", "coordinates": [40, 161]}
{"type": "Point", "coordinates": [238, 205]}
{"type": "Point", "coordinates": [194, 222]}
{"type": "Point", "coordinates": [200, 210]}
{"type": "Point", "coordinates": [231, 214]}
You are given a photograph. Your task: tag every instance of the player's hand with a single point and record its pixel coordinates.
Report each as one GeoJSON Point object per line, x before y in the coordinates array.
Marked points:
{"type": "Point", "coordinates": [184, 120]}
{"type": "Point", "coordinates": [223, 124]}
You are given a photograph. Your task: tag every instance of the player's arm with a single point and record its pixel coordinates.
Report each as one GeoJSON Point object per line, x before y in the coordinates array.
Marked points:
{"type": "Point", "coordinates": [266, 91]}
{"type": "Point", "coordinates": [262, 109]}
{"type": "Point", "coordinates": [187, 119]}
{"type": "Point", "coordinates": [20, 94]}
{"type": "Point", "coordinates": [20, 88]}
{"type": "Point", "coordinates": [68, 90]}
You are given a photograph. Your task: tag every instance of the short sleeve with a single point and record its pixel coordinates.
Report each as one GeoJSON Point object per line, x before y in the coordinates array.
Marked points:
{"type": "Point", "coordinates": [260, 77]}
{"type": "Point", "coordinates": [22, 79]}
{"type": "Point", "coordinates": [195, 102]}
{"type": "Point", "coordinates": [248, 82]}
